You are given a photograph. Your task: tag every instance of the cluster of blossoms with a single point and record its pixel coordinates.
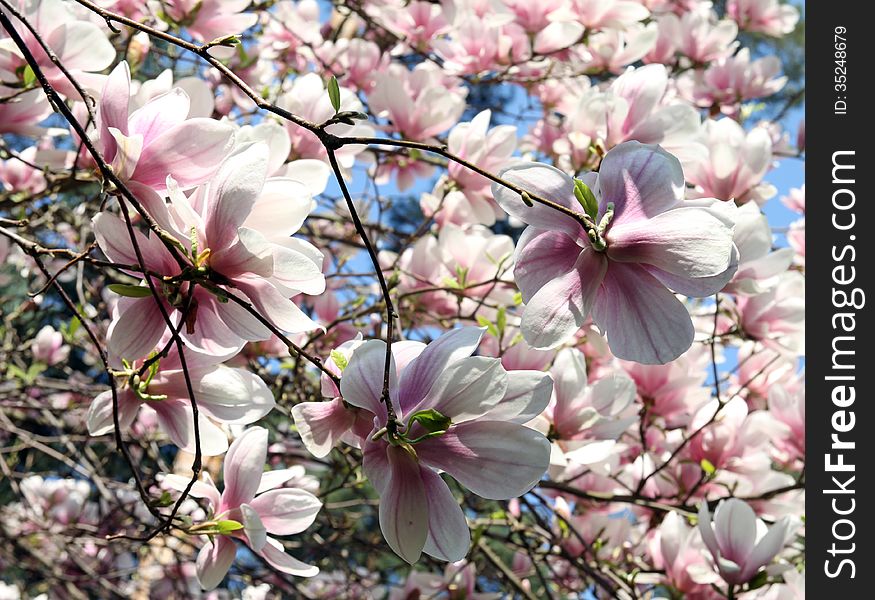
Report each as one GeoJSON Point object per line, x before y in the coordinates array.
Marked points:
{"type": "Point", "coordinates": [492, 282]}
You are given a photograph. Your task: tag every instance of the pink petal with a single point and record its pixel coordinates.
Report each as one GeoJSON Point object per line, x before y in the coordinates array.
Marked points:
{"type": "Point", "coordinates": [404, 506]}
{"type": "Point", "coordinates": [114, 239]}
{"type": "Point", "coordinates": [559, 309]}
{"type": "Point", "coordinates": [541, 180]}
{"type": "Point", "coordinates": [214, 560]}
{"type": "Point", "coordinates": [233, 192]}
{"type": "Point", "coordinates": [201, 489]}
{"type": "Point", "coordinates": [244, 464]}
{"type": "Point", "coordinates": [275, 555]}
{"type": "Point", "coordinates": [176, 419]}
{"type": "Point", "coordinates": [113, 106]}
{"type": "Point", "coordinates": [286, 511]}
{"type": "Point", "coordinates": [642, 181]}
{"type": "Point", "coordinates": [322, 424]}
{"type": "Point", "coordinates": [276, 307]}
{"type": "Point", "coordinates": [541, 256]}
{"type": "Point", "coordinates": [421, 373]}
{"type": "Point", "coordinates": [100, 417]}
{"type": "Point", "coordinates": [448, 534]}
{"type": "Point", "coordinates": [494, 459]}
{"type": "Point", "coordinates": [160, 114]}
{"type": "Point", "coordinates": [136, 330]}
{"type": "Point", "coordinates": [467, 389]}
{"type": "Point", "coordinates": [362, 381]}
{"type": "Point", "coordinates": [644, 322]}
{"type": "Point", "coordinates": [256, 534]}
{"type": "Point", "coordinates": [526, 397]}
{"type": "Point", "coordinates": [190, 152]}
{"type": "Point", "coordinates": [689, 242]}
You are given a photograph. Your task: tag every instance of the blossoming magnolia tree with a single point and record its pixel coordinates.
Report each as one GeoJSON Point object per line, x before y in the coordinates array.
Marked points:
{"type": "Point", "coordinates": [399, 299]}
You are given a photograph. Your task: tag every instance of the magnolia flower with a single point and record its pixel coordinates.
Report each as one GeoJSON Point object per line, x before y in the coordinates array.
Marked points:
{"type": "Point", "coordinates": [489, 149]}
{"type": "Point", "coordinates": [48, 346]}
{"type": "Point", "coordinates": [733, 164]}
{"type": "Point", "coordinates": [771, 17]}
{"type": "Point", "coordinates": [419, 103]}
{"type": "Point", "coordinates": [647, 240]}
{"type": "Point", "coordinates": [157, 140]}
{"type": "Point", "coordinates": [758, 265]}
{"type": "Point", "coordinates": [703, 38]}
{"type": "Point", "coordinates": [208, 20]}
{"type": "Point", "coordinates": [235, 233]}
{"type": "Point", "coordinates": [454, 413]}
{"type": "Point", "coordinates": [679, 550]}
{"type": "Point", "coordinates": [251, 500]}
{"type": "Point", "coordinates": [739, 543]}
{"type": "Point", "coordinates": [308, 99]}
{"type": "Point", "coordinates": [80, 45]}
{"type": "Point", "coordinates": [21, 112]}
{"type": "Point", "coordinates": [632, 109]}
{"type": "Point", "coordinates": [223, 394]}
{"type": "Point", "coordinates": [603, 14]}
{"type": "Point", "coordinates": [585, 420]}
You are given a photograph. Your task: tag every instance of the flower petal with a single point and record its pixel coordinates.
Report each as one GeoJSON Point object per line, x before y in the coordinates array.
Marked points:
{"type": "Point", "coordinates": [541, 180]}
{"type": "Point", "coordinates": [275, 555]}
{"type": "Point", "coordinates": [286, 511]}
{"type": "Point", "coordinates": [214, 560]}
{"type": "Point", "coordinates": [644, 322]}
{"type": "Point", "coordinates": [244, 465]}
{"type": "Point", "coordinates": [256, 534]}
{"type": "Point", "coordinates": [362, 381]}
{"type": "Point", "coordinates": [421, 372]}
{"type": "Point", "coordinates": [561, 307]}
{"type": "Point", "coordinates": [322, 424]}
{"type": "Point", "coordinates": [493, 459]}
{"type": "Point", "coordinates": [641, 180]}
{"type": "Point", "coordinates": [448, 534]}
{"type": "Point", "coordinates": [403, 506]}
{"type": "Point", "coordinates": [541, 256]}
{"type": "Point", "coordinates": [526, 397]}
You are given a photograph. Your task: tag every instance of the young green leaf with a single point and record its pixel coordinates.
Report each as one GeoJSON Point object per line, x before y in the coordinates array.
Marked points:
{"type": "Point", "coordinates": [586, 198]}
{"type": "Point", "coordinates": [131, 291]}
{"type": "Point", "coordinates": [334, 93]}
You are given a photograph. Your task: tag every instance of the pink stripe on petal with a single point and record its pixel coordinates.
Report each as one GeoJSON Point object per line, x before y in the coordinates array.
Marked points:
{"type": "Point", "coordinates": [644, 322]}
{"type": "Point", "coordinates": [448, 534]}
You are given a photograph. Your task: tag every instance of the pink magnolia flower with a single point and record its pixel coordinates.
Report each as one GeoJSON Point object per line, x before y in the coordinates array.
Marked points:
{"type": "Point", "coordinates": [728, 82]}
{"type": "Point", "coordinates": [48, 346]}
{"type": "Point", "coordinates": [734, 163]}
{"type": "Point", "coordinates": [607, 14]}
{"type": "Point", "coordinates": [157, 140]}
{"type": "Point", "coordinates": [633, 108]}
{"type": "Point", "coordinates": [739, 543]}
{"type": "Point", "coordinates": [585, 420]}
{"type": "Point", "coordinates": [788, 407]}
{"type": "Point", "coordinates": [647, 240]}
{"type": "Point", "coordinates": [419, 103]}
{"type": "Point", "coordinates": [17, 176]}
{"type": "Point", "coordinates": [223, 394]}
{"type": "Point", "coordinates": [80, 45]}
{"type": "Point", "coordinates": [613, 50]}
{"type": "Point", "coordinates": [418, 22]}
{"type": "Point", "coordinates": [679, 550]}
{"type": "Point", "coordinates": [20, 113]}
{"type": "Point", "coordinates": [489, 149]}
{"type": "Point", "coordinates": [454, 413]}
{"type": "Point", "coordinates": [308, 98]}
{"type": "Point", "coordinates": [758, 265]}
{"type": "Point", "coordinates": [704, 38]}
{"type": "Point", "coordinates": [208, 20]}
{"type": "Point", "coordinates": [459, 580]}
{"type": "Point", "coordinates": [776, 317]}
{"type": "Point", "coordinates": [252, 499]}
{"type": "Point", "coordinates": [771, 17]}
{"type": "Point", "coordinates": [795, 199]}
{"type": "Point", "coordinates": [237, 229]}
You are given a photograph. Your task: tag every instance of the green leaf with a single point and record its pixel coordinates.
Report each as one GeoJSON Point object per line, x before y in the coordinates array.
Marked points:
{"type": "Point", "coordinates": [223, 527]}
{"type": "Point", "coordinates": [334, 93]}
{"type": "Point", "coordinates": [586, 198]}
{"type": "Point", "coordinates": [761, 579]}
{"type": "Point", "coordinates": [339, 360]}
{"type": "Point", "coordinates": [501, 319]}
{"type": "Point", "coordinates": [431, 420]}
{"type": "Point", "coordinates": [164, 500]}
{"type": "Point", "coordinates": [490, 327]}
{"type": "Point", "coordinates": [28, 76]}
{"type": "Point", "coordinates": [708, 467]}
{"type": "Point", "coordinates": [131, 291]}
